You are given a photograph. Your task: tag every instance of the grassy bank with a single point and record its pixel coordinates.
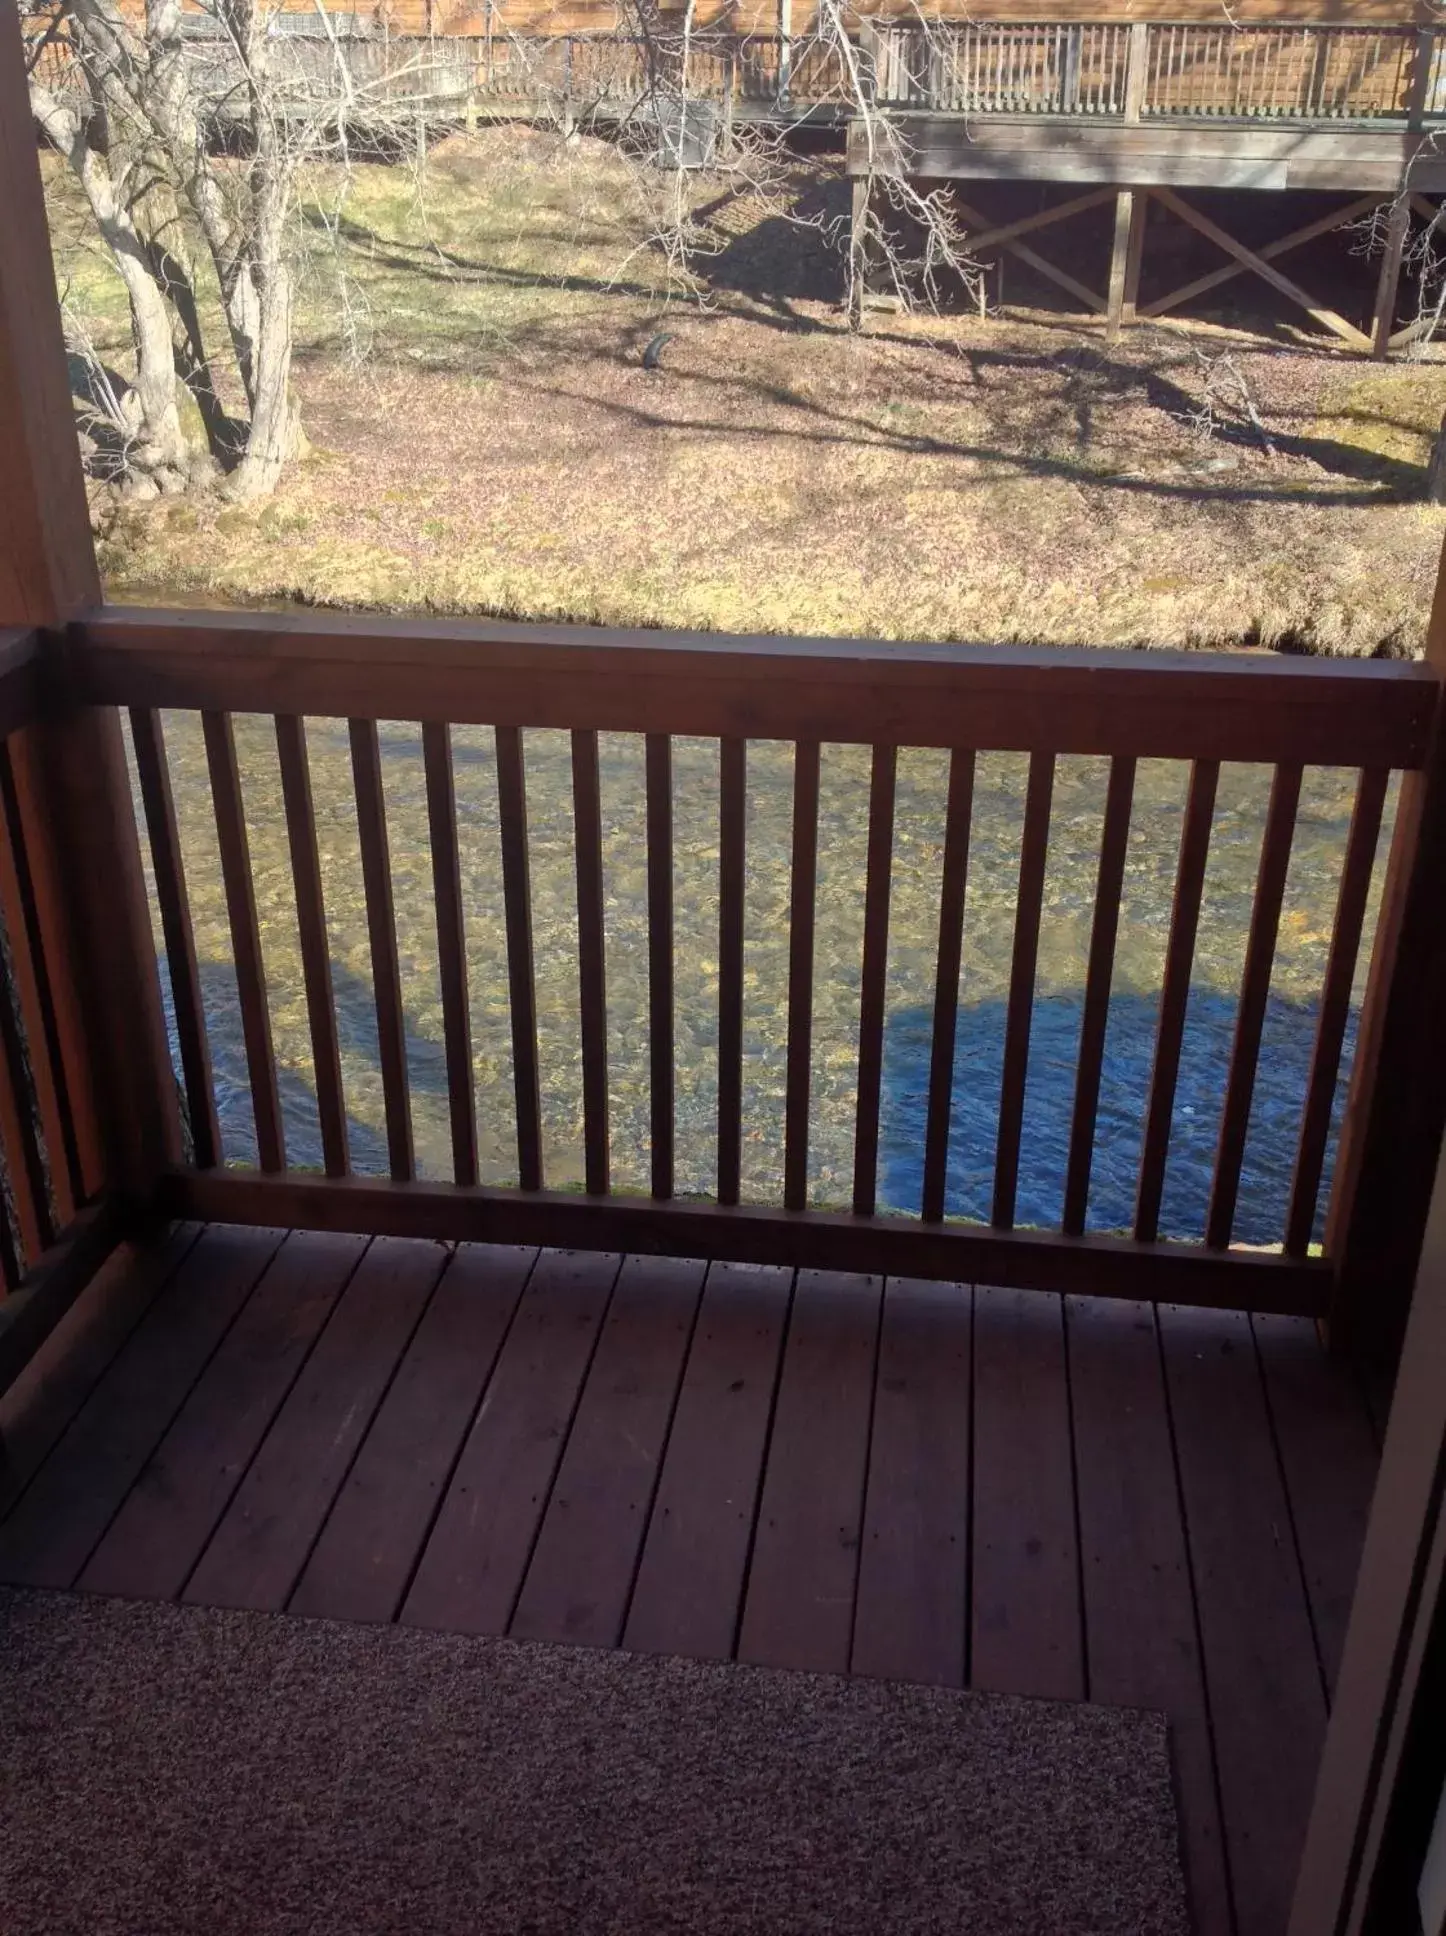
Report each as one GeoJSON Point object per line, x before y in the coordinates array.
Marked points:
{"type": "Point", "coordinates": [484, 438]}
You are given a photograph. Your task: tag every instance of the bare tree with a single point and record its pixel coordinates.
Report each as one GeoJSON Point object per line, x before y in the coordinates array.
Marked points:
{"type": "Point", "coordinates": [170, 151]}
{"type": "Point", "coordinates": [189, 150]}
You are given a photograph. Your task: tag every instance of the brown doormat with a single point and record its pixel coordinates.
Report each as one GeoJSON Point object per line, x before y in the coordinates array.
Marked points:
{"type": "Point", "coordinates": [170, 1769]}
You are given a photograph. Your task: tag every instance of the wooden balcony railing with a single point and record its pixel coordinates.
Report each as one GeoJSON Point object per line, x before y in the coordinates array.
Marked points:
{"type": "Point", "coordinates": [1160, 70]}
{"type": "Point", "coordinates": [93, 1132]}
{"type": "Point", "coordinates": [1110, 69]}
{"type": "Point", "coordinates": [1373, 719]}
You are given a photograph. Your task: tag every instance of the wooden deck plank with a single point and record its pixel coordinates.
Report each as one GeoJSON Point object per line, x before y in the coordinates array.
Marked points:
{"type": "Point", "coordinates": [60, 1518]}
{"type": "Point", "coordinates": [911, 1615]}
{"type": "Point", "coordinates": [689, 1587]}
{"type": "Point", "coordinates": [799, 1605]}
{"type": "Point", "coordinates": [1261, 1674]}
{"type": "Point", "coordinates": [376, 1530]}
{"type": "Point", "coordinates": [188, 1481]}
{"type": "Point", "coordinates": [1139, 1613]}
{"type": "Point", "coordinates": [581, 1576]}
{"type": "Point", "coordinates": [473, 1564]}
{"type": "Point", "coordinates": [258, 1550]}
{"type": "Point", "coordinates": [1328, 1454]}
{"type": "Point", "coordinates": [37, 1408]}
{"type": "Point", "coordinates": [1025, 1613]}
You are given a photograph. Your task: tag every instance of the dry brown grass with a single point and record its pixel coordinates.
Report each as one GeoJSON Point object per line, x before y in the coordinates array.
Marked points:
{"type": "Point", "coordinates": [499, 448]}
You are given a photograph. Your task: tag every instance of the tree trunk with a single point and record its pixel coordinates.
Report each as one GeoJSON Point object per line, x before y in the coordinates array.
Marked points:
{"type": "Point", "coordinates": [154, 443]}
{"type": "Point", "coordinates": [275, 434]}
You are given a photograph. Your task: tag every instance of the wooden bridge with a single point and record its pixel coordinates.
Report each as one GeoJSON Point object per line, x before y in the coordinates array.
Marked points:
{"type": "Point", "coordinates": [1145, 109]}
{"type": "Point", "coordinates": [1138, 110]}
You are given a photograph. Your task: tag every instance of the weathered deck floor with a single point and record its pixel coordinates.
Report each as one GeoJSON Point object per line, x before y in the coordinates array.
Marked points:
{"type": "Point", "coordinates": [1070, 1498]}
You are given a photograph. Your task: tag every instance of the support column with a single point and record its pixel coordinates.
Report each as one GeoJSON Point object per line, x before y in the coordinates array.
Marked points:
{"type": "Point", "coordinates": [1396, 1108]}
{"type": "Point", "coordinates": [1125, 259]}
{"type": "Point", "coordinates": [1397, 230]}
{"type": "Point", "coordinates": [858, 249]}
{"type": "Point", "coordinates": [70, 769]}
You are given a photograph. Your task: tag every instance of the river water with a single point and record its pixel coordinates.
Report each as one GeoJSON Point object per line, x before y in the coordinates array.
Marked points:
{"type": "Point", "coordinates": [918, 847]}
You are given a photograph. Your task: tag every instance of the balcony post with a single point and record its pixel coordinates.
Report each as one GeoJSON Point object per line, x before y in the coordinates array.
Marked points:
{"type": "Point", "coordinates": [1137, 63]}
{"type": "Point", "coordinates": [70, 773]}
{"type": "Point", "coordinates": [1131, 206]}
{"type": "Point", "coordinates": [1419, 82]}
{"type": "Point", "coordinates": [1396, 1110]}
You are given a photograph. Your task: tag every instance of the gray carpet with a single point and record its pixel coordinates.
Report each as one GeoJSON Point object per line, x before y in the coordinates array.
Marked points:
{"type": "Point", "coordinates": [164, 1769]}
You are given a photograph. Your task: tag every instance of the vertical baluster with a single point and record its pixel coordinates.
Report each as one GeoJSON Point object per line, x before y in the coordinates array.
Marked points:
{"type": "Point", "coordinates": [1034, 851]}
{"type": "Point", "coordinates": [878, 883]}
{"type": "Point", "coordinates": [660, 958]}
{"type": "Point", "coordinates": [591, 962]}
{"type": "Point", "coordinates": [1254, 994]}
{"type": "Point", "coordinates": [1335, 1006]}
{"type": "Point", "coordinates": [376, 865]}
{"type": "Point", "coordinates": [230, 812]}
{"type": "Point", "coordinates": [451, 946]}
{"type": "Point", "coordinates": [732, 801]}
{"type": "Point", "coordinates": [800, 973]}
{"type": "Point", "coordinates": [40, 845]}
{"type": "Point", "coordinates": [946, 985]}
{"type": "Point", "coordinates": [1114, 844]}
{"type": "Point", "coordinates": [163, 834]}
{"type": "Point", "coordinates": [24, 1168]}
{"type": "Point", "coordinates": [1175, 994]}
{"type": "Point", "coordinates": [521, 980]}
{"type": "Point", "coordinates": [32, 994]}
{"type": "Point", "coordinates": [315, 946]}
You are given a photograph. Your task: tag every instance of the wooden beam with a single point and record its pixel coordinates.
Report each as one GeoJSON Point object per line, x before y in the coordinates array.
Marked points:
{"type": "Point", "coordinates": [1383, 322]}
{"type": "Point", "coordinates": [859, 251]}
{"type": "Point", "coordinates": [1297, 237]}
{"type": "Point", "coordinates": [1396, 1109]}
{"type": "Point", "coordinates": [813, 1239]}
{"type": "Point", "coordinates": [1163, 705]}
{"type": "Point", "coordinates": [1379, 1701]}
{"type": "Point", "coordinates": [1037, 262]}
{"type": "Point", "coordinates": [1045, 218]}
{"type": "Point", "coordinates": [47, 560]}
{"type": "Point", "coordinates": [1327, 318]}
{"type": "Point", "coordinates": [76, 792]}
{"type": "Point", "coordinates": [1125, 258]}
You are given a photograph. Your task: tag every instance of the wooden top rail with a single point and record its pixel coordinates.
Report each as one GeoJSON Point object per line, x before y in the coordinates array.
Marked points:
{"type": "Point", "coordinates": [1170, 705]}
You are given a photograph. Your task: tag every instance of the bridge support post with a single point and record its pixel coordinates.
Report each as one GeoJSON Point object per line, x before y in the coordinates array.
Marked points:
{"type": "Point", "coordinates": [1397, 230]}
{"type": "Point", "coordinates": [1130, 204]}
{"type": "Point", "coordinates": [858, 250]}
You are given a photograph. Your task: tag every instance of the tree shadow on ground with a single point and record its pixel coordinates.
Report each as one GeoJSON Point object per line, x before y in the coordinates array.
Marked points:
{"type": "Point", "coordinates": [813, 421]}
{"type": "Point", "coordinates": [356, 1027]}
